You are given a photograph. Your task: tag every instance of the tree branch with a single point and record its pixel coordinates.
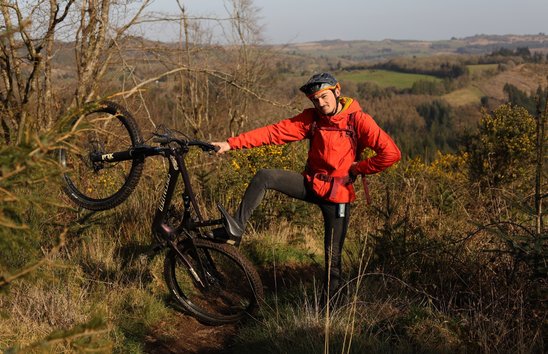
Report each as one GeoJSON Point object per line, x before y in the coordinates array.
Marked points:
{"type": "Point", "coordinates": [217, 74]}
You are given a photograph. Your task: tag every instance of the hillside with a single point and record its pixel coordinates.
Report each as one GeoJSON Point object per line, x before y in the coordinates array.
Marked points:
{"type": "Point", "coordinates": [389, 48]}
{"type": "Point", "coordinates": [446, 250]}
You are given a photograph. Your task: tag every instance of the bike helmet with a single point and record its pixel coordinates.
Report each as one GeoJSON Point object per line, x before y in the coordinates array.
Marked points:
{"type": "Point", "coordinates": [319, 82]}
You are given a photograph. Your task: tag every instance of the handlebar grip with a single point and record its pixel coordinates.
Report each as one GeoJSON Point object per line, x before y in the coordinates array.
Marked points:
{"type": "Point", "coordinates": [166, 139]}
{"type": "Point", "coordinates": [205, 146]}
{"type": "Point", "coordinates": [210, 147]}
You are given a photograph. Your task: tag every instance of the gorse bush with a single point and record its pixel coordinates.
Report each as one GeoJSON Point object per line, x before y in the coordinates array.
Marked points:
{"type": "Point", "coordinates": [503, 150]}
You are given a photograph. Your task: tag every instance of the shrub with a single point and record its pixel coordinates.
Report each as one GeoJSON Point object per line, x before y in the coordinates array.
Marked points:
{"type": "Point", "coordinates": [503, 150]}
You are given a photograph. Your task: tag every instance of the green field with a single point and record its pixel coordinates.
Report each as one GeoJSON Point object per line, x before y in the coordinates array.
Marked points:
{"type": "Point", "coordinates": [385, 78]}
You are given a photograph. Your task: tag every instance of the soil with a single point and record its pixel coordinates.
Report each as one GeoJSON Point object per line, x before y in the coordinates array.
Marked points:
{"type": "Point", "coordinates": [184, 334]}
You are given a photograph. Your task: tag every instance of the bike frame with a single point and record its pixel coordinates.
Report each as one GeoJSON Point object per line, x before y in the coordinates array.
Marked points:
{"type": "Point", "coordinates": [191, 223]}
{"type": "Point", "coordinates": [175, 155]}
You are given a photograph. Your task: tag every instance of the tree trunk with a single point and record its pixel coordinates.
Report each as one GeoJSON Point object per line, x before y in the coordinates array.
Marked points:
{"type": "Point", "coordinates": [541, 122]}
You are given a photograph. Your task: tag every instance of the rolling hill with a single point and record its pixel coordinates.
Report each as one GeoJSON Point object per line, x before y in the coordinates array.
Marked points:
{"type": "Point", "coordinates": [388, 48]}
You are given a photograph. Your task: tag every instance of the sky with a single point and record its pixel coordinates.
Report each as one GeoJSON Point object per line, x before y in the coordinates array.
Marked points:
{"type": "Point", "coordinates": [296, 21]}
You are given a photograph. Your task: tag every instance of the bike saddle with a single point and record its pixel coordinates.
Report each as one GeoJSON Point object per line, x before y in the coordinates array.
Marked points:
{"type": "Point", "coordinates": [232, 227]}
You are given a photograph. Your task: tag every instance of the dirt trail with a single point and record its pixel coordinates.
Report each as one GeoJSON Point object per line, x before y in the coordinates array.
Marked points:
{"type": "Point", "coordinates": [183, 334]}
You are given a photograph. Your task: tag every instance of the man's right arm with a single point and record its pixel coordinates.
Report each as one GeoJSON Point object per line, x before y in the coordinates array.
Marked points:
{"type": "Point", "coordinates": [285, 131]}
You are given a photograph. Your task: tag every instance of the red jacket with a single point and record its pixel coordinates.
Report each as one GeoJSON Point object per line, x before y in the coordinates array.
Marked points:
{"type": "Point", "coordinates": [331, 154]}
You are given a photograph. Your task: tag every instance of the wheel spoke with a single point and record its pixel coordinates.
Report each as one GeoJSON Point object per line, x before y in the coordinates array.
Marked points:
{"type": "Point", "coordinates": [231, 288]}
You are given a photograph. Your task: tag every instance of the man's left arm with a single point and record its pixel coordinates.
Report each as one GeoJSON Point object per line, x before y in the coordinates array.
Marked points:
{"type": "Point", "coordinates": [372, 136]}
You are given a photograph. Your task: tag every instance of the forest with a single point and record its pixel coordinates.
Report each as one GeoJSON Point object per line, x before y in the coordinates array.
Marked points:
{"type": "Point", "coordinates": [449, 256]}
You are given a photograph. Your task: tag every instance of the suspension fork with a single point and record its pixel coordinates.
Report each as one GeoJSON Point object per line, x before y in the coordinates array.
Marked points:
{"type": "Point", "coordinates": [188, 195]}
{"type": "Point", "coordinates": [199, 274]}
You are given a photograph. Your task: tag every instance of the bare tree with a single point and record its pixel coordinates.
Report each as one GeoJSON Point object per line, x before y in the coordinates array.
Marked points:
{"type": "Point", "coordinates": [27, 46]}
{"type": "Point", "coordinates": [212, 80]}
{"type": "Point", "coordinates": [24, 65]}
{"type": "Point", "coordinates": [232, 71]}
{"type": "Point", "coordinates": [541, 115]}
{"type": "Point", "coordinates": [96, 40]}
{"type": "Point", "coordinates": [245, 32]}
{"type": "Point", "coordinates": [192, 100]}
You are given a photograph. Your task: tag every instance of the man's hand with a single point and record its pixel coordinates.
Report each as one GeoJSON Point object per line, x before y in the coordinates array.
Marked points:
{"type": "Point", "coordinates": [353, 172]}
{"type": "Point", "coordinates": [223, 146]}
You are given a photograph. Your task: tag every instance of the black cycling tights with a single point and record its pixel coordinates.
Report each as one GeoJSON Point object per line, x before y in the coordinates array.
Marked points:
{"type": "Point", "coordinates": [293, 184]}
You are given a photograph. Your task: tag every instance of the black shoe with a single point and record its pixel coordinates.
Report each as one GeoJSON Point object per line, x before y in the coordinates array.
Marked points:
{"type": "Point", "coordinates": [232, 227]}
{"type": "Point", "coordinates": [220, 235]}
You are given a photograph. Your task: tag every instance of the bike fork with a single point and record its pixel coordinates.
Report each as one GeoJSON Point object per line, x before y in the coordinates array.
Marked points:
{"type": "Point", "coordinates": [189, 264]}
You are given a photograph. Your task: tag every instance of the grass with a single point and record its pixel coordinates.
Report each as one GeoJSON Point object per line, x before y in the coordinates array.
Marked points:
{"type": "Point", "coordinates": [413, 284]}
{"type": "Point", "coordinates": [100, 272]}
{"type": "Point", "coordinates": [464, 96]}
{"type": "Point", "coordinates": [370, 320]}
{"type": "Point", "coordinates": [386, 78]}
{"type": "Point", "coordinates": [284, 243]}
{"type": "Point", "coordinates": [395, 291]}
{"type": "Point", "coordinates": [478, 68]}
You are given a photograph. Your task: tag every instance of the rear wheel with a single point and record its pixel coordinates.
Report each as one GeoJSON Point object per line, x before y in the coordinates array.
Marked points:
{"type": "Point", "coordinates": [213, 282]}
{"type": "Point", "coordinates": [104, 129]}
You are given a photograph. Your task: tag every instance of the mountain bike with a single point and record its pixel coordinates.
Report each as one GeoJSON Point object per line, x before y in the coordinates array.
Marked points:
{"type": "Point", "coordinates": [103, 160]}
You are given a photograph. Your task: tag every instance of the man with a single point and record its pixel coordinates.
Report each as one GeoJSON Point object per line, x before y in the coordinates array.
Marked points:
{"type": "Point", "coordinates": [339, 131]}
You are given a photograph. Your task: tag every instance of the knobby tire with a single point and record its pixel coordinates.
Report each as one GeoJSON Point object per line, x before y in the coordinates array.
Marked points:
{"type": "Point", "coordinates": [234, 289]}
{"type": "Point", "coordinates": [105, 129]}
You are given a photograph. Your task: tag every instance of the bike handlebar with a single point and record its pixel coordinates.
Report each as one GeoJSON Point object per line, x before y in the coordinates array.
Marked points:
{"type": "Point", "coordinates": [166, 139]}
{"type": "Point", "coordinates": [141, 151]}
{"type": "Point", "coordinates": [205, 146]}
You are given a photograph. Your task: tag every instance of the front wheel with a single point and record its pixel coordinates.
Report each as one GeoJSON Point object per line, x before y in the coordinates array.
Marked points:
{"type": "Point", "coordinates": [213, 282]}
{"type": "Point", "coordinates": [103, 128]}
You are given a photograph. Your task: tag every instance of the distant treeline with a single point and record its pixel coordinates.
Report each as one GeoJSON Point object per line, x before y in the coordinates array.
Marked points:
{"type": "Point", "coordinates": [482, 48]}
{"type": "Point", "coordinates": [434, 131]}
{"type": "Point", "coordinates": [441, 127]}
{"type": "Point", "coordinates": [531, 102]}
{"type": "Point", "coordinates": [445, 69]}
{"type": "Point", "coordinates": [453, 67]}
{"type": "Point", "coordinates": [518, 55]}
